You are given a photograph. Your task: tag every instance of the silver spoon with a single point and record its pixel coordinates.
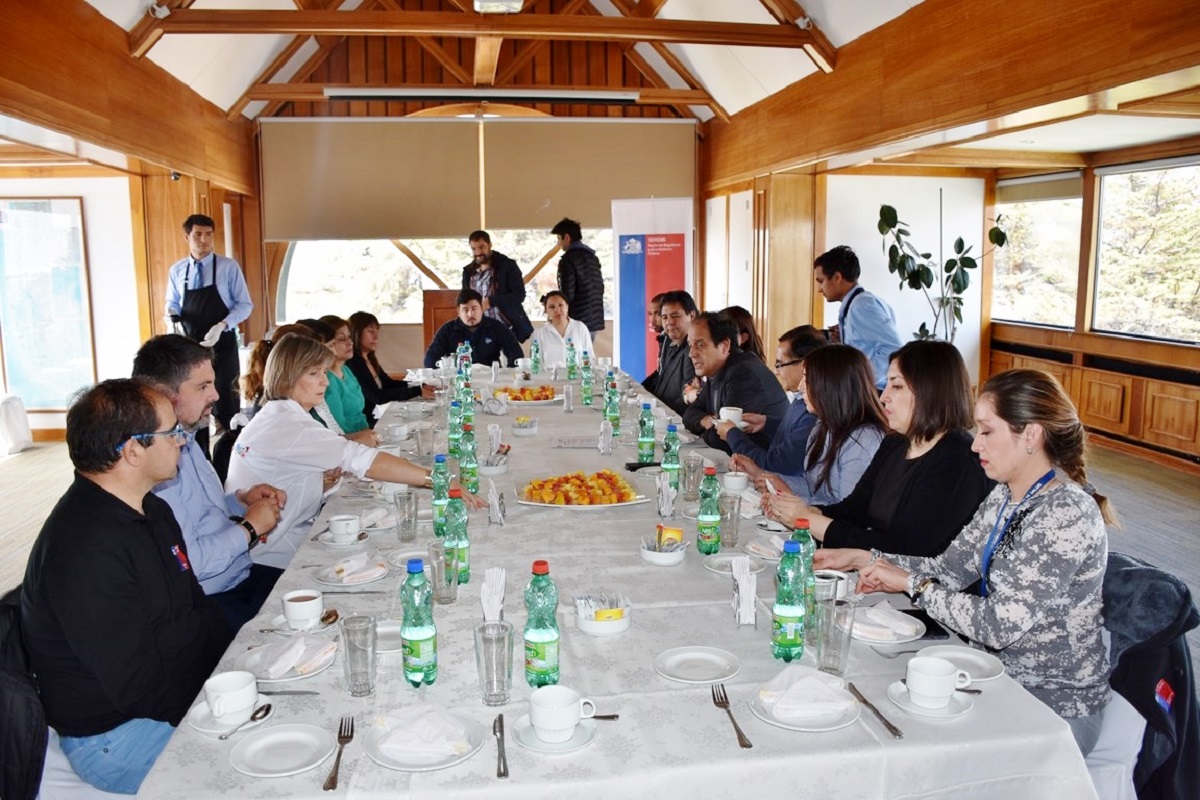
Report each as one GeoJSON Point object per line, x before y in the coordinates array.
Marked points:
{"type": "Point", "coordinates": [259, 713]}
{"type": "Point", "coordinates": [328, 618]}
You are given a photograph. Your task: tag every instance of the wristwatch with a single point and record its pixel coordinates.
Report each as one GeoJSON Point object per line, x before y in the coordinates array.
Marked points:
{"type": "Point", "coordinates": [921, 588]}
{"type": "Point", "coordinates": [255, 538]}
{"type": "Point", "coordinates": [428, 482]}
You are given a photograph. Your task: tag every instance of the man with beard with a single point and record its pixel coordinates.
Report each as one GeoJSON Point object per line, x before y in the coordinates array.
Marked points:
{"type": "Point", "coordinates": [488, 337]}
{"type": "Point", "coordinates": [499, 282]}
{"type": "Point", "coordinates": [219, 529]}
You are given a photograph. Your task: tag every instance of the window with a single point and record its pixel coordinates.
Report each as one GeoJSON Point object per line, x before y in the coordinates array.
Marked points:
{"type": "Point", "coordinates": [1148, 255]}
{"type": "Point", "coordinates": [1037, 273]}
{"type": "Point", "coordinates": [341, 277]}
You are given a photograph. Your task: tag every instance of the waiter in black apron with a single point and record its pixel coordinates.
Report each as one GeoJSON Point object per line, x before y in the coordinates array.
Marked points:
{"type": "Point", "coordinates": [206, 299]}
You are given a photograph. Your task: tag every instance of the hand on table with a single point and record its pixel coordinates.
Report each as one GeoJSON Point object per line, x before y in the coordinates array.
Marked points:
{"type": "Point", "coordinates": [368, 437]}
{"type": "Point", "coordinates": [473, 501]}
{"type": "Point", "coordinates": [427, 390]}
{"type": "Point", "coordinates": [845, 559]}
{"type": "Point", "coordinates": [786, 508]}
{"type": "Point", "coordinates": [741, 463]}
{"type": "Point", "coordinates": [264, 516]}
{"type": "Point", "coordinates": [882, 576]}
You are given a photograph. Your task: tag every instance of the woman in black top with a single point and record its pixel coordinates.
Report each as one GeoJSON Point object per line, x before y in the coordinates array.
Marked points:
{"type": "Point", "coordinates": [924, 483]}
{"type": "Point", "coordinates": [378, 386]}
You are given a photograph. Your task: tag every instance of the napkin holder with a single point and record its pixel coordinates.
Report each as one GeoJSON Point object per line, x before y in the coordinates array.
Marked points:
{"type": "Point", "coordinates": [666, 496]}
{"type": "Point", "coordinates": [604, 445]}
{"type": "Point", "coordinates": [495, 504]}
{"type": "Point", "coordinates": [745, 594]}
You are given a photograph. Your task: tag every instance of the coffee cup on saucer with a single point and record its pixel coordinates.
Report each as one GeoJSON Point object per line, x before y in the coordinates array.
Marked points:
{"type": "Point", "coordinates": [555, 712]}
{"type": "Point", "coordinates": [731, 414]}
{"type": "Point", "coordinates": [736, 482]}
{"type": "Point", "coordinates": [933, 681]}
{"type": "Point", "coordinates": [231, 696]}
{"type": "Point", "coordinates": [344, 528]}
{"type": "Point", "coordinates": [303, 608]}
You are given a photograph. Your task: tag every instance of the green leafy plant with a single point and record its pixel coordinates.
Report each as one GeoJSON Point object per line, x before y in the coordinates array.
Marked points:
{"type": "Point", "coordinates": [918, 270]}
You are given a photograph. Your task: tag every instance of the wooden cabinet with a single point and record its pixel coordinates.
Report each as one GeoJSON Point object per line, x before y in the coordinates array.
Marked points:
{"type": "Point", "coordinates": [1105, 400]}
{"type": "Point", "coordinates": [1171, 416]}
{"type": "Point", "coordinates": [1065, 374]}
{"type": "Point", "coordinates": [999, 361]}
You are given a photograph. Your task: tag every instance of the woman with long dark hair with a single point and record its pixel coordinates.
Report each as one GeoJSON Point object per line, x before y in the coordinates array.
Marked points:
{"type": "Point", "coordinates": [747, 338]}
{"type": "Point", "coordinates": [378, 387]}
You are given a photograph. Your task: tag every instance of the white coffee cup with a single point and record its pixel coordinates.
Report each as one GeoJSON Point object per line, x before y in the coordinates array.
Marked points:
{"type": "Point", "coordinates": [736, 482]}
{"type": "Point", "coordinates": [387, 489]}
{"type": "Point", "coordinates": [302, 608]}
{"type": "Point", "coordinates": [397, 431]}
{"type": "Point", "coordinates": [731, 414]}
{"type": "Point", "coordinates": [523, 363]}
{"type": "Point", "coordinates": [933, 681]}
{"type": "Point", "coordinates": [555, 711]}
{"type": "Point", "coordinates": [231, 696]}
{"type": "Point", "coordinates": [343, 528]}
{"type": "Point", "coordinates": [832, 576]}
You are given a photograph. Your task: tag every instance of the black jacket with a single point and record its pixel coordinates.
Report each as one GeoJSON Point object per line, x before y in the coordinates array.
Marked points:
{"type": "Point", "coordinates": [675, 369]}
{"type": "Point", "coordinates": [488, 340]}
{"type": "Point", "coordinates": [373, 393]}
{"type": "Point", "coordinates": [744, 382]}
{"type": "Point", "coordinates": [1148, 611]}
{"type": "Point", "coordinates": [508, 292]}
{"type": "Point", "coordinates": [580, 280]}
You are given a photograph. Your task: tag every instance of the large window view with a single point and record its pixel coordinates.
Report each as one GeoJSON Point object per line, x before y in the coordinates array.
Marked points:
{"type": "Point", "coordinates": [341, 277]}
{"type": "Point", "coordinates": [1036, 274]}
{"type": "Point", "coordinates": [1148, 256]}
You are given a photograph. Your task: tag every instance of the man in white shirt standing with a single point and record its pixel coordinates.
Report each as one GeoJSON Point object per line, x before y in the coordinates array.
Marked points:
{"type": "Point", "coordinates": [206, 300]}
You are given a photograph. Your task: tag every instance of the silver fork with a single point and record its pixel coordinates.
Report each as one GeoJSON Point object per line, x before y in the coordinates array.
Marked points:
{"type": "Point", "coordinates": [344, 737]}
{"type": "Point", "coordinates": [721, 700]}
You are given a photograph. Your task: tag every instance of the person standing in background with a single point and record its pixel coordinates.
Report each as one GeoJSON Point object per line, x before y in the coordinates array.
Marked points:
{"type": "Point", "coordinates": [499, 282]}
{"type": "Point", "coordinates": [579, 277]}
{"type": "Point", "coordinates": [864, 321]}
{"type": "Point", "coordinates": [206, 300]}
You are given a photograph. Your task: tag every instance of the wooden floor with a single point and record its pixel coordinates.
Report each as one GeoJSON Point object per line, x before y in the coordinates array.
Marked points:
{"type": "Point", "coordinates": [1158, 507]}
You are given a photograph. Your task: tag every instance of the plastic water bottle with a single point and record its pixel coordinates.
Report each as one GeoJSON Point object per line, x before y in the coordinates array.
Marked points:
{"type": "Point", "coordinates": [572, 361]}
{"type": "Point", "coordinates": [585, 387]}
{"type": "Point", "coordinates": [670, 459]}
{"type": "Point", "coordinates": [789, 612]}
{"type": "Point", "coordinates": [467, 401]}
{"type": "Point", "coordinates": [454, 424]}
{"type": "Point", "coordinates": [645, 441]}
{"type": "Point", "coordinates": [535, 358]}
{"type": "Point", "coordinates": [418, 634]}
{"type": "Point", "coordinates": [468, 463]}
{"type": "Point", "coordinates": [465, 356]}
{"type": "Point", "coordinates": [612, 408]}
{"type": "Point", "coordinates": [456, 533]}
{"type": "Point", "coordinates": [808, 548]}
{"type": "Point", "coordinates": [541, 628]}
{"type": "Point", "coordinates": [708, 521]}
{"type": "Point", "coordinates": [441, 493]}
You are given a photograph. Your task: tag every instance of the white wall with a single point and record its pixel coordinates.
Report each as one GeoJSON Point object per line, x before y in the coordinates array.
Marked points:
{"type": "Point", "coordinates": [852, 212]}
{"type": "Point", "coordinates": [108, 229]}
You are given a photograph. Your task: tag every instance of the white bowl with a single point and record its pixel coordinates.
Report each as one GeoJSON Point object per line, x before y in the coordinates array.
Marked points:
{"type": "Point", "coordinates": [532, 431]}
{"type": "Point", "coordinates": [606, 628]}
{"type": "Point", "coordinates": [664, 559]}
{"type": "Point", "coordinates": [491, 472]}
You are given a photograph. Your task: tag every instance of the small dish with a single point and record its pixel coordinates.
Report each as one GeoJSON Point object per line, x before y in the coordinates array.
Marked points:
{"type": "Point", "coordinates": [280, 624]}
{"type": "Point", "coordinates": [670, 559]}
{"type": "Point", "coordinates": [606, 627]}
{"type": "Point", "coordinates": [524, 432]}
{"type": "Point", "coordinates": [959, 703]}
{"type": "Point", "coordinates": [326, 539]}
{"type": "Point", "coordinates": [722, 563]}
{"type": "Point", "coordinates": [201, 718]}
{"type": "Point", "coordinates": [585, 734]}
{"type": "Point", "coordinates": [400, 558]}
{"type": "Point", "coordinates": [491, 472]}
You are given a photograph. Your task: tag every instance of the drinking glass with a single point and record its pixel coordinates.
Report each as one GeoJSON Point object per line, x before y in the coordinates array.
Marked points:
{"type": "Point", "coordinates": [731, 514]}
{"type": "Point", "coordinates": [407, 505]}
{"type": "Point", "coordinates": [494, 660]}
{"type": "Point", "coordinates": [443, 572]}
{"type": "Point", "coordinates": [836, 624]}
{"type": "Point", "coordinates": [693, 469]}
{"type": "Point", "coordinates": [358, 654]}
{"type": "Point", "coordinates": [424, 437]}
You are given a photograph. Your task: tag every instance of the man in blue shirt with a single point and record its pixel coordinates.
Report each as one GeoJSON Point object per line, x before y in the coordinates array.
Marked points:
{"type": "Point", "coordinates": [488, 337]}
{"type": "Point", "coordinates": [864, 321]}
{"type": "Point", "coordinates": [206, 300]}
{"type": "Point", "coordinates": [219, 529]}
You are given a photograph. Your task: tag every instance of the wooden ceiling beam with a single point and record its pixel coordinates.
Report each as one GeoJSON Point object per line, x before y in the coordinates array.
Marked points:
{"type": "Point", "coordinates": [265, 76]}
{"type": "Point", "coordinates": [527, 50]}
{"type": "Point", "coordinates": [443, 57]}
{"type": "Point", "coordinates": [487, 57]}
{"type": "Point", "coordinates": [821, 51]}
{"type": "Point", "coordinates": [514, 26]}
{"type": "Point", "coordinates": [647, 9]}
{"type": "Point", "coordinates": [315, 92]}
{"type": "Point", "coordinates": [147, 32]}
{"type": "Point", "coordinates": [652, 75]}
{"type": "Point", "coordinates": [987, 159]}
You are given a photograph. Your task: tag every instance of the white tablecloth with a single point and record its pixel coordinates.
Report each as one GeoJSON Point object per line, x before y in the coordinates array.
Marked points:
{"type": "Point", "coordinates": [670, 740]}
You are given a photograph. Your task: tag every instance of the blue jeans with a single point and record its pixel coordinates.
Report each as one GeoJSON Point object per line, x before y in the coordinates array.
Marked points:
{"type": "Point", "coordinates": [118, 760]}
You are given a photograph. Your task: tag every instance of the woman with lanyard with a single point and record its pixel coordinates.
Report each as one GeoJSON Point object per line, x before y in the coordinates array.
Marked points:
{"type": "Point", "coordinates": [1023, 579]}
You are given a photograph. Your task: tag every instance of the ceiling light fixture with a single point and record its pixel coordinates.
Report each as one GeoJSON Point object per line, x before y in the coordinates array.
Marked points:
{"type": "Point", "coordinates": [499, 6]}
{"type": "Point", "coordinates": [433, 93]}
{"type": "Point", "coordinates": [158, 11]}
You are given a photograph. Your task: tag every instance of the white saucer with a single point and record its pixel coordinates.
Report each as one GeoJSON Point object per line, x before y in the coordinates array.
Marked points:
{"type": "Point", "coordinates": [690, 512]}
{"type": "Point", "coordinates": [202, 719]}
{"type": "Point", "coordinates": [387, 636]}
{"type": "Point", "coordinates": [585, 734]}
{"type": "Point", "coordinates": [979, 665]}
{"type": "Point", "coordinates": [649, 472]}
{"type": "Point", "coordinates": [857, 635]}
{"type": "Point", "coordinates": [282, 750]}
{"type": "Point", "coordinates": [280, 624]}
{"type": "Point", "coordinates": [326, 539]}
{"type": "Point", "coordinates": [327, 577]}
{"type": "Point", "coordinates": [772, 526]}
{"type": "Point", "coordinates": [959, 703]}
{"type": "Point", "coordinates": [722, 563]}
{"type": "Point", "coordinates": [399, 558]}
{"type": "Point", "coordinates": [696, 664]}
{"type": "Point", "coordinates": [817, 724]}
{"type": "Point", "coordinates": [748, 550]}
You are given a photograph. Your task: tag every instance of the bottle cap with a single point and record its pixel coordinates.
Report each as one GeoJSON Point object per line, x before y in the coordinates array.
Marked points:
{"type": "Point", "coordinates": [802, 523]}
{"type": "Point", "coordinates": [440, 458]}
{"type": "Point", "coordinates": [791, 546]}
{"type": "Point", "coordinates": [415, 565]}
{"type": "Point", "coordinates": [645, 406]}
{"type": "Point", "coordinates": [455, 403]}
{"type": "Point", "coordinates": [541, 567]}
{"type": "Point", "coordinates": [456, 492]}
{"type": "Point", "coordinates": [672, 429]}
{"type": "Point", "coordinates": [468, 427]}
{"type": "Point", "coordinates": [710, 470]}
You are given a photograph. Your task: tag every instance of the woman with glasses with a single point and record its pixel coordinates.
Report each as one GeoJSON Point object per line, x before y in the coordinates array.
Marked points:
{"type": "Point", "coordinates": [924, 482]}
{"type": "Point", "coordinates": [378, 387]}
{"type": "Point", "coordinates": [748, 338]}
{"type": "Point", "coordinates": [344, 395]}
{"type": "Point", "coordinates": [285, 447]}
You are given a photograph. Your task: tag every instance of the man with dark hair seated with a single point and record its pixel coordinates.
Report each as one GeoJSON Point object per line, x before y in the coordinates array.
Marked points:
{"type": "Point", "coordinates": [488, 337]}
{"type": "Point", "coordinates": [675, 370]}
{"type": "Point", "coordinates": [220, 529]}
{"type": "Point", "coordinates": [118, 631]}
{"type": "Point", "coordinates": [735, 378]}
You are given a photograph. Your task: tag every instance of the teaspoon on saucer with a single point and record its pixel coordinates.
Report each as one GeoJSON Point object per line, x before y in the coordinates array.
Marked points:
{"type": "Point", "coordinates": [259, 713]}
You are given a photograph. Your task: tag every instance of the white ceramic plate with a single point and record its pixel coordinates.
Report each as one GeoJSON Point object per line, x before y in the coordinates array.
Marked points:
{"type": "Point", "coordinates": [476, 735]}
{"type": "Point", "coordinates": [327, 577]}
{"type": "Point", "coordinates": [649, 472]}
{"type": "Point", "coordinates": [326, 539]}
{"type": "Point", "coordinates": [771, 526]}
{"type": "Point", "coordinates": [759, 552]}
{"type": "Point", "coordinates": [524, 734]}
{"type": "Point", "coordinates": [855, 634]}
{"type": "Point", "coordinates": [248, 661]}
{"type": "Point", "coordinates": [387, 636]}
{"type": "Point", "coordinates": [689, 512]}
{"type": "Point", "coordinates": [282, 750]}
{"type": "Point", "coordinates": [399, 558]}
{"type": "Point", "coordinates": [979, 665]}
{"type": "Point", "coordinates": [959, 704]}
{"type": "Point", "coordinates": [201, 718]}
{"type": "Point", "coordinates": [640, 499]}
{"type": "Point", "coordinates": [818, 724]}
{"type": "Point", "coordinates": [722, 563]}
{"type": "Point", "coordinates": [696, 664]}
{"type": "Point", "coordinates": [529, 403]}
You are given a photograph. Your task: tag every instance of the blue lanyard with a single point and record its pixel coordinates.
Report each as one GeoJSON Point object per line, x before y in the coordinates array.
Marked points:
{"type": "Point", "coordinates": [998, 533]}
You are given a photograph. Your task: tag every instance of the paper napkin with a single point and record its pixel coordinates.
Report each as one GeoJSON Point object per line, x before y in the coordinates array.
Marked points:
{"type": "Point", "coordinates": [493, 438]}
{"type": "Point", "coordinates": [604, 445]}
{"type": "Point", "coordinates": [421, 731]}
{"type": "Point", "coordinates": [303, 653]}
{"type": "Point", "coordinates": [745, 587]}
{"type": "Point", "coordinates": [884, 622]}
{"type": "Point", "coordinates": [801, 693]}
{"type": "Point", "coordinates": [495, 504]}
{"type": "Point", "coordinates": [666, 496]}
{"type": "Point", "coordinates": [491, 595]}
{"type": "Point", "coordinates": [751, 504]}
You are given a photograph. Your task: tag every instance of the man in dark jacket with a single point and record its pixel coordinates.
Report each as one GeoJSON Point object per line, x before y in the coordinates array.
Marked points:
{"type": "Point", "coordinates": [488, 337]}
{"type": "Point", "coordinates": [579, 276]}
{"type": "Point", "coordinates": [735, 378]}
{"type": "Point", "coordinates": [498, 280]}
{"type": "Point", "coordinates": [675, 369]}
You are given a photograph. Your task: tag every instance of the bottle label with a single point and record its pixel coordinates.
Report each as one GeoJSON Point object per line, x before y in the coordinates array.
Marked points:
{"type": "Point", "coordinates": [469, 476]}
{"type": "Point", "coordinates": [464, 562]}
{"type": "Point", "coordinates": [541, 658]}
{"type": "Point", "coordinates": [672, 471]}
{"type": "Point", "coordinates": [420, 654]}
{"type": "Point", "coordinates": [787, 631]}
{"type": "Point", "coordinates": [709, 531]}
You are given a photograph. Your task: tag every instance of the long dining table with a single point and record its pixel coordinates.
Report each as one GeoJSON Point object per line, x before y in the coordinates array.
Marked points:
{"type": "Point", "coordinates": [670, 739]}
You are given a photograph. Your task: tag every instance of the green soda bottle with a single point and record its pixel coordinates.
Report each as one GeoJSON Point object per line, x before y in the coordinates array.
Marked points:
{"type": "Point", "coordinates": [572, 361]}
{"type": "Point", "coordinates": [585, 386]}
{"type": "Point", "coordinates": [535, 358]}
{"type": "Point", "coordinates": [670, 459]}
{"type": "Point", "coordinates": [645, 441]}
{"type": "Point", "coordinates": [541, 628]}
{"type": "Point", "coordinates": [708, 521]}
{"type": "Point", "coordinates": [441, 493]}
{"type": "Point", "coordinates": [454, 424]}
{"type": "Point", "coordinates": [468, 463]}
{"type": "Point", "coordinates": [456, 533]}
{"type": "Point", "coordinates": [788, 613]}
{"type": "Point", "coordinates": [808, 548]}
{"type": "Point", "coordinates": [418, 634]}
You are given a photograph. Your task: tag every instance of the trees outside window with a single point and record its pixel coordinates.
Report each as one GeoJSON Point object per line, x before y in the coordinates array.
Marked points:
{"type": "Point", "coordinates": [1037, 273]}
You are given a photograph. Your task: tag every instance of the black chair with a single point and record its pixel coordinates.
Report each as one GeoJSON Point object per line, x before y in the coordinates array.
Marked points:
{"type": "Point", "coordinates": [23, 731]}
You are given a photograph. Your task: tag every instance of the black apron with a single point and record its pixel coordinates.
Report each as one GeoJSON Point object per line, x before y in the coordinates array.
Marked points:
{"type": "Point", "coordinates": [201, 309]}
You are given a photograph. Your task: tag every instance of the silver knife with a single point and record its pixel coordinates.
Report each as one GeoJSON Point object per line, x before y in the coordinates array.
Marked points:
{"type": "Point", "coordinates": [892, 729]}
{"type": "Point", "coordinates": [501, 759]}
{"type": "Point", "coordinates": [263, 691]}
{"type": "Point", "coordinates": [350, 591]}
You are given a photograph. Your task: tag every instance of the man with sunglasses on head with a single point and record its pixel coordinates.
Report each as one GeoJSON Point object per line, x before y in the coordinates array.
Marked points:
{"type": "Point", "coordinates": [118, 631]}
{"type": "Point", "coordinates": [220, 529]}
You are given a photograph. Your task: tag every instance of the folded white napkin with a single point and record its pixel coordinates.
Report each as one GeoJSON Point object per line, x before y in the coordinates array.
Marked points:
{"type": "Point", "coordinates": [884, 622]}
{"type": "Point", "coordinates": [358, 569]}
{"type": "Point", "coordinates": [493, 438]}
{"type": "Point", "coordinates": [422, 731]}
{"type": "Point", "coordinates": [376, 517]}
{"type": "Point", "coordinates": [302, 653]}
{"type": "Point", "coordinates": [801, 693]}
{"type": "Point", "coordinates": [751, 504]}
{"type": "Point", "coordinates": [495, 506]}
{"type": "Point", "coordinates": [666, 496]}
{"type": "Point", "coordinates": [745, 591]}
{"type": "Point", "coordinates": [491, 595]}
{"type": "Point", "coordinates": [496, 406]}
{"type": "Point", "coordinates": [381, 409]}
{"type": "Point", "coordinates": [604, 443]}
{"type": "Point", "coordinates": [768, 546]}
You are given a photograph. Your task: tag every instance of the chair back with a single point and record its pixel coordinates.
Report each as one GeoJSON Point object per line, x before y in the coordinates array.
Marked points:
{"type": "Point", "coordinates": [23, 731]}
